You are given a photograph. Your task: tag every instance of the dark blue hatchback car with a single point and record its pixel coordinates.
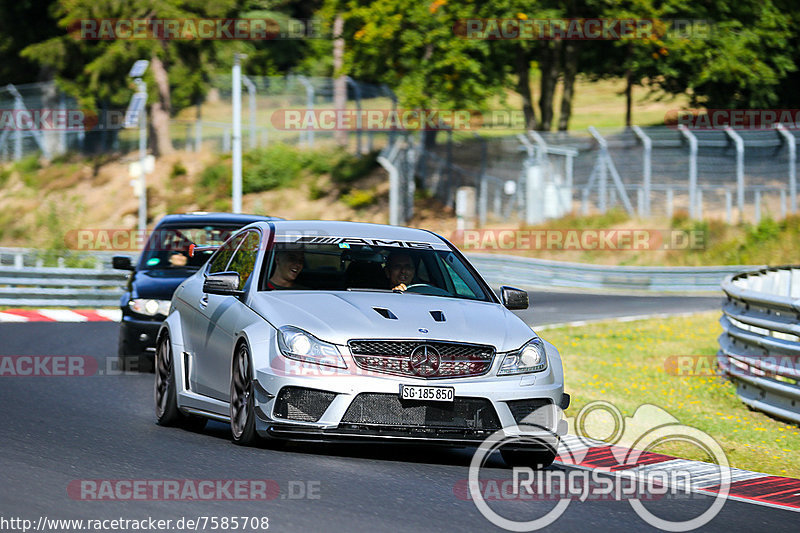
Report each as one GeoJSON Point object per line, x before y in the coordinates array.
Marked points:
{"type": "Point", "coordinates": [163, 264]}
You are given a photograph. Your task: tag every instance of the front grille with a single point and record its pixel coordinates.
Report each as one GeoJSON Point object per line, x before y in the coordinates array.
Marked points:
{"type": "Point", "coordinates": [387, 410]}
{"type": "Point", "coordinates": [298, 403]}
{"type": "Point", "coordinates": [447, 359]}
{"type": "Point", "coordinates": [542, 410]}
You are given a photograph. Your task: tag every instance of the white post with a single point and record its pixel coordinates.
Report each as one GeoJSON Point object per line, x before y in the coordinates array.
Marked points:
{"type": "Point", "coordinates": [669, 203]}
{"type": "Point", "coordinates": [647, 143]}
{"type": "Point", "coordinates": [728, 207]}
{"type": "Point", "coordinates": [692, 167]}
{"type": "Point", "coordinates": [394, 190]}
{"type": "Point", "coordinates": [251, 94]}
{"type": "Point", "coordinates": [309, 106]}
{"type": "Point", "coordinates": [758, 206]}
{"type": "Point", "coordinates": [142, 157]}
{"type": "Point", "coordinates": [739, 143]}
{"type": "Point", "coordinates": [699, 208]}
{"type": "Point", "coordinates": [237, 134]}
{"type": "Point", "coordinates": [790, 144]}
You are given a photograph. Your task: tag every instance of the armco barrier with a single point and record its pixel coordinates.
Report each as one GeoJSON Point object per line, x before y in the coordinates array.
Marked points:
{"type": "Point", "coordinates": [63, 287]}
{"type": "Point", "coordinates": [527, 272]}
{"type": "Point", "coordinates": [759, 348]}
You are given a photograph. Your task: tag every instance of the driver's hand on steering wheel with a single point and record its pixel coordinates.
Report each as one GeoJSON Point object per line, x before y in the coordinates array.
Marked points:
{"type": "Point", "coordinates": [401, 287]}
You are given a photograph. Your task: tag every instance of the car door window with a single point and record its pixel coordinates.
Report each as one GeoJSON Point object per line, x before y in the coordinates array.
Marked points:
{"type": "Point", "coordinates": [219, 262]}
{"type": "Point", "coordinates": [244, 259]}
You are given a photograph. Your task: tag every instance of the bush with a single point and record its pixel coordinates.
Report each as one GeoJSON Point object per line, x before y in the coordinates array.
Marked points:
{"type": "Point", "coordinates": [319, 162]}
{"type": "Point", "coordinates": [357, 199]}
{"type": "Point", "coordinates": [28, 164]}
{"type": "Point", "coordinates": [215, 177]}
{"type": "Point", "coordinates": [275, 166]}
{"type": "Point", "coordinates": [177, 170]}
{"type": "Point", "coordinates": [350, 168]}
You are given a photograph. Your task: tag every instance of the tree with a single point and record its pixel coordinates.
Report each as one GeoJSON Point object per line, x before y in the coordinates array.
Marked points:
{"type": "Point", "coordinates": [95, 71]}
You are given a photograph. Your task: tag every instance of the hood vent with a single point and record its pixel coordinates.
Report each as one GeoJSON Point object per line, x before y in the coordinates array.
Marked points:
{"type": "Point", "coordinates": [385, 313]}
{"type": "Point", "coordinates": [438, 316]}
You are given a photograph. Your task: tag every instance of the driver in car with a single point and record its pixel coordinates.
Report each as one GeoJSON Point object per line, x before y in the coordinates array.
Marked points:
{"type": "Point", "coordinates": [399, 270]}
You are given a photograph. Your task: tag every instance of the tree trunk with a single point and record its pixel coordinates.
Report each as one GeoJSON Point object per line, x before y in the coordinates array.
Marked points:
{"type": "Point", "coordinates": [161, 142]}
{"type": "Point", "coordinates": [629, 90]}
{"type": "Point", "coordinates": [522, 66]}
{"type": "Point", "coordinates": [570, 70]}
{"type": "Point", "coordinates": [550, 70]}
{"type": "Point", "coordinates": [339, 82]}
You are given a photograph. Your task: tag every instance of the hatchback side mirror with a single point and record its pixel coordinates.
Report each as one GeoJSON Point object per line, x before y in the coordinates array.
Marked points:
{"type": "Point", "coordinates": [222, 283]}
{"type": "Point", "coordinates": [514, 299]}
{"type": "Point", "coordinates": [121, 262]}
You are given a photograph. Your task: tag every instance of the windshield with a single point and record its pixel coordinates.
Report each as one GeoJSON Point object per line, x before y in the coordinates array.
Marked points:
{"type": "Point", "coordinates": [168, 247]}
{"type": "Point", "coordinates": [371, 268]}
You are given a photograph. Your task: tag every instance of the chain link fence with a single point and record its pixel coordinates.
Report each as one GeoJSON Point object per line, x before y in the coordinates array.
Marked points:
{"type": "Point", "coordinates": [530, 177]}
{"type": "Point", "coordinates": [648, 171]}
{"type": "Point", "coordinates": [205, 126]}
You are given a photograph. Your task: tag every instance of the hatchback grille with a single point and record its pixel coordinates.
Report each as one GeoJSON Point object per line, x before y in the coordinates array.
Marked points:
{"type": "Point", "coordinates": [378, 409]}
{"type": "Point", "coordinates": [298, 403]}
{"type": "Point", "coordinates": [444, 359]}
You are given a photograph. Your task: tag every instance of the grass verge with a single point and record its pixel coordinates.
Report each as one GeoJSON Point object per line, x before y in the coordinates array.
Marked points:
{"type": "Point", "coordinates": [624, 363]}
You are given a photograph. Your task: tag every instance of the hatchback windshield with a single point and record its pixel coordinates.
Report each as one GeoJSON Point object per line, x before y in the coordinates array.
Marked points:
{"type": "Point", "coordinates": [433, 272]}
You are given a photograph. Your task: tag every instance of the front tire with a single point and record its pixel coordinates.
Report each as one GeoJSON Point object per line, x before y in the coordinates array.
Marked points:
{"type": "Point", "coordinates": [167, 412]}
{"type": "Point", "coordinates": [242, 404]}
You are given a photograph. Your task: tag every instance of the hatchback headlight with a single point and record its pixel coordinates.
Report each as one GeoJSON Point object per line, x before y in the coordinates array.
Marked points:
{"type": "Point", "coordinates": [529, 358]}
{"type": "Point", "coordinates": [295, 343]}
{"type": "Point", "coordinates": [149, 307]}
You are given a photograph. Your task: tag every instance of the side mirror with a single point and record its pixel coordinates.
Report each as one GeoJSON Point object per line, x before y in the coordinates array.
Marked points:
{"type": "Point", "coordinates": [223, 283]}
{"type": "Point", "coordinates": [513, 298]}
{"type": "Point", "coordinates": [121, 262]}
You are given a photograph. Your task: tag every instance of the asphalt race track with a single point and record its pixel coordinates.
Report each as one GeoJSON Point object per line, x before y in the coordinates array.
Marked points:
{"type": "Point", "coordinates": [58, 431]}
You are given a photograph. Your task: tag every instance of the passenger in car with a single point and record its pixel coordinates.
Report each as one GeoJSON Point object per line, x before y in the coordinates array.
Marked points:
{"type": "Point", "coordinates": [288, 265]}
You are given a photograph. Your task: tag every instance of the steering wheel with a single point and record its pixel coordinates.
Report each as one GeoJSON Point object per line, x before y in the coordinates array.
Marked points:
{"type": "Point", "coordinates": [426, 288]}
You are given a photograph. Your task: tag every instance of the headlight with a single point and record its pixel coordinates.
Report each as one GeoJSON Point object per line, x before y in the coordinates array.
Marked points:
{"type": "Point", "coordinates": [303, 346]}
{"type": "Point", "coordinates": [147, 307]}
{"type": "Point", "coordinates": [530, 358]}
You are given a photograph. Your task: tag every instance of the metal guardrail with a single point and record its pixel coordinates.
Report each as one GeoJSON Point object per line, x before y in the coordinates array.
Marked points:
{"type": "Point", "coordinates": [529, 272]}
{"type": "Point", "coordinates": [63, 287]}
{"type": "Point", "coordinates": [759, 348]}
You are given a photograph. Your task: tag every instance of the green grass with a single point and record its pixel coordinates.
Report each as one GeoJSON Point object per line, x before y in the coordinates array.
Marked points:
{"type": "Point", "coordinates": [773, 242]}
{"type": "Point", "coordinates": [624, 363]}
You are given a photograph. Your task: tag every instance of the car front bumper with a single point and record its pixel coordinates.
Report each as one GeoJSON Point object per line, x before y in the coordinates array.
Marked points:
{"type": "Point", "coordinates": [367, 408]}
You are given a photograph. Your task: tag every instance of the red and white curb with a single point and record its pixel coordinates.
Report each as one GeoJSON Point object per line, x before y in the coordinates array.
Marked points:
{"type": "Point", "coordinates": [60, 315]}
{"type": "Point", "coordinates": [746, 486]}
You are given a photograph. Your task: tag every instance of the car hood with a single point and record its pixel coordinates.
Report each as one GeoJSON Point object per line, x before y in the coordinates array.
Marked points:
{"type": "Point", "coordinates": [340, 316]}
{"type": "Point", "coordinates": [157, 284]}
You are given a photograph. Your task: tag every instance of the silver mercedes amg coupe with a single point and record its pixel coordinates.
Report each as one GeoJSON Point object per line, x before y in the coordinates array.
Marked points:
{"type": "Point", "coordinates": [319, 330]}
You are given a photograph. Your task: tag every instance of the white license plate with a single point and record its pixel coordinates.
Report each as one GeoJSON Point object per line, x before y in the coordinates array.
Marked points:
{"type": "Point", "coordinates": [426, 393]}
